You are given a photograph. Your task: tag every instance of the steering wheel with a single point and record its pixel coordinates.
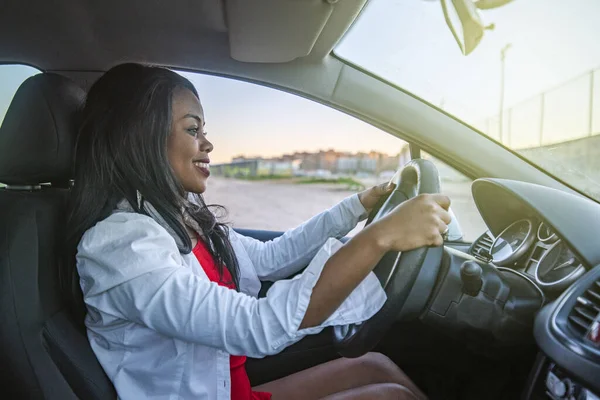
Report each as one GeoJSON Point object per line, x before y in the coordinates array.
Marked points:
{"type": "Point", "coordinates": [407, 278]}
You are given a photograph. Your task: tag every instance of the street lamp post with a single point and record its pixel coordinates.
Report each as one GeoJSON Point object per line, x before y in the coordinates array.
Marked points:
{"type": "Point", "coordinates": [501, 113]}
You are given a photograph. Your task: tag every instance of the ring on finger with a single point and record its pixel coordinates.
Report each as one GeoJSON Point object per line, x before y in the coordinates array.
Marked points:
{"type": "Point", "coordinates": [445, 233]}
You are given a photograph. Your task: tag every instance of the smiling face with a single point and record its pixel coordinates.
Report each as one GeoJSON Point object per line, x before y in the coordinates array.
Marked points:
{"type": "Point", "coordinates": [187, 146]}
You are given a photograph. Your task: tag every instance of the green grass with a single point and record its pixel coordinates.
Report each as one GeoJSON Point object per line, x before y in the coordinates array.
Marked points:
{"type": "Point", "coordinates": [338, 181]}
{"type": "Point", "coordinates": [263, 177]}
{"type": "Point", "coordinates": [349, 182]}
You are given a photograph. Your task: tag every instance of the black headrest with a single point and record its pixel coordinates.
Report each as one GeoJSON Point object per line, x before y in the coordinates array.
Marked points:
{"type": "Point", "coordinates": [38, 133]}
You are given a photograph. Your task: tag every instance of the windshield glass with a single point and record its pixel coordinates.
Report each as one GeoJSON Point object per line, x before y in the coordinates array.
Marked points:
{"type": "Point", "coordinates": [532, 82]}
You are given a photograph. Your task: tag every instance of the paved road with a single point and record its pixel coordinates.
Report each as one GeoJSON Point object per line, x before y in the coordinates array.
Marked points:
{"type": "Point", "coordinates": [280, 205]}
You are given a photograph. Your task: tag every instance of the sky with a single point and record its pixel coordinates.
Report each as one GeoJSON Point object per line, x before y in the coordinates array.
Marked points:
{"type": "Point", "coordinates": [408, 43]}
{"type": "Point", "coordinates": [243, 118]}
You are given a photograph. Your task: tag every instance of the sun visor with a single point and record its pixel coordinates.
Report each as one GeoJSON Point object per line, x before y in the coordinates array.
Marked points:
{"type": "Point", "coordinates": [275, 31]}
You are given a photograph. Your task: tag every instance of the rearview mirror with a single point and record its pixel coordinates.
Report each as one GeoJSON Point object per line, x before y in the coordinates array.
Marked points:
{"type": "Point", "coordinates": [464, 22]}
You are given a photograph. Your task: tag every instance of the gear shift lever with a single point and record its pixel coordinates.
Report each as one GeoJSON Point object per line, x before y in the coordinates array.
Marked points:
{"type": "Point", "coordinates": [470, 274]}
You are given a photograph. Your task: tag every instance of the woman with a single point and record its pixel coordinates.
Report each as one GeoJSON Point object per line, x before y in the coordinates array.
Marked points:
{"type": "Point", "coordinates": [171, 292]}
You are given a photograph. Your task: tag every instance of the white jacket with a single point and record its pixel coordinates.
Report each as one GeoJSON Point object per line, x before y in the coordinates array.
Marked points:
{"type": "Point", "coordinates": [162, 330]}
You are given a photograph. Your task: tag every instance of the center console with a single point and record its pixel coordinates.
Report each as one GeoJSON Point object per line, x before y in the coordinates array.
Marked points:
{"type": "Point", "coordinates": [548, 381]}
{"type": "Point", "coordinates": [567, 332]}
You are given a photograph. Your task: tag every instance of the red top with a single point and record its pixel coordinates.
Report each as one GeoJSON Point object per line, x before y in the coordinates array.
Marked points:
{"type": "Point", "coordinates": [240, 384]}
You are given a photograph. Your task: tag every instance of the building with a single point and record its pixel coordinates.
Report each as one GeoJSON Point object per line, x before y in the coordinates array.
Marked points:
{"type": "Point", "coordinates": [321, 163]}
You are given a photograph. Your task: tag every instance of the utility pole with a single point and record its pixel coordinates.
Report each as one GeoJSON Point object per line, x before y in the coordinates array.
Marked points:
{"type": "Point", "coordinates": [501, 113]}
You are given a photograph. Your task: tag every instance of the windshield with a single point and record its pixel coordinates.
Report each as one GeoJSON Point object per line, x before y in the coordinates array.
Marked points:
{"type": "Point", "coordinates": [532, 83]}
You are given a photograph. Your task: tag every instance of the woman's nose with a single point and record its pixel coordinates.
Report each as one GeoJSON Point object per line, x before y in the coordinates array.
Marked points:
{"type": "Point", "coordinates": [205, 145]}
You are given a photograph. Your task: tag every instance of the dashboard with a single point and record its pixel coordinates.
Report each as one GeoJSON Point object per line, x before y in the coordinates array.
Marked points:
{"type": "Point", "coordinates": [551, 238]}
{"type": "Point", "coordinates": [534, 249]}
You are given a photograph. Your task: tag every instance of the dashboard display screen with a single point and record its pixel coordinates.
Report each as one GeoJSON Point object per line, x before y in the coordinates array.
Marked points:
{"type": "Point", "coordinates": [510, 241]}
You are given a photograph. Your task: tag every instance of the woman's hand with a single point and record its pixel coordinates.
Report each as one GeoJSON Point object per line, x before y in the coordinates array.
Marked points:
{"type": "Point", "coordinates": [371, 196]}
{"type": "Point", "coordinates": [418, 222]}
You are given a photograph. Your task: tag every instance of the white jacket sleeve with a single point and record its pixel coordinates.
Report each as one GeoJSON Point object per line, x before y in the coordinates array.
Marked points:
{"type": "Point", "coordinates": [130, 268]}
{"type": "Point", "coordinates": [285, 255]}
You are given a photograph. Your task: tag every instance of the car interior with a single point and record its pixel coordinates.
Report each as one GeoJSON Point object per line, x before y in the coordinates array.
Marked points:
{"type": "Point", "coordinates": [515, 314]}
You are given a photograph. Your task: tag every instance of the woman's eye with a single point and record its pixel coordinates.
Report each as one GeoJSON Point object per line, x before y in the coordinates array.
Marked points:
{"type": "Point", "coordinates": [193, 131]}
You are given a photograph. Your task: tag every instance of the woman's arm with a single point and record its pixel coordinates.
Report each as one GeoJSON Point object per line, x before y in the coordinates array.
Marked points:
{"type": "Point", "coordinates": [285, 255]}
{"type": "Point", "coordinates": [416, 223]}
{"type": "Point", "coordinates": [131, 268]}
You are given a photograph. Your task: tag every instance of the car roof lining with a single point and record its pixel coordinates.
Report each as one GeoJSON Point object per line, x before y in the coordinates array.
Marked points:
{"type": "Point", "coordinates": [96, 35]}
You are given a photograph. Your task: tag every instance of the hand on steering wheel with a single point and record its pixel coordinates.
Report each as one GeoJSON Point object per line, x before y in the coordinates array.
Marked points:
{"type": "Point", "coordinates": [418, 222]}
{"type": "Point", "coordinates": [413, 220]}
{"type": "Point", "coordinates": [374, 196]}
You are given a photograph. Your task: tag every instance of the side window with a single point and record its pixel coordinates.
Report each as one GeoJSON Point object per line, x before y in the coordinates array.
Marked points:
{"type": "Point", "coordinates": [279, 159]}
{"type": "Point", "coordinates": [458, 187]}
{"type": "Point", "coordinates": [11, 77]}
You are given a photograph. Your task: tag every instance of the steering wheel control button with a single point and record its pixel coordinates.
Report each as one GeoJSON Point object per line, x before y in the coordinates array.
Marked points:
{"type": "Point", "coordinates": [470, 274]}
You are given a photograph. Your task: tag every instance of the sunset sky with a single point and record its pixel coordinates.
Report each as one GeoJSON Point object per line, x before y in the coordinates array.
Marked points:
{"type": "Point", "coordinates": [408, 42]}
{"type": "Point", "coordinates": [243, 118]}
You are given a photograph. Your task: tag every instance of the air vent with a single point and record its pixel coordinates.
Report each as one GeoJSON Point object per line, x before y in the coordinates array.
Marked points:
{"type": "Point", "coordinates": [482, 247]}
{"type": "Point", "coordinates": [586, 310]}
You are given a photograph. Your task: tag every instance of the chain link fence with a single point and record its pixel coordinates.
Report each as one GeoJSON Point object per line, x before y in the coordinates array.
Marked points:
{"type": "Point", "coordinates": [565, 113]}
